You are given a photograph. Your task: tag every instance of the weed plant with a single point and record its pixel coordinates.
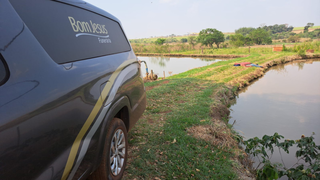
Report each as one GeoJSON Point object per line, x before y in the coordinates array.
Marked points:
{"type": "Point", "coordinates": [307, 45]}
{"type": "Point", "coordinates": [308, 157]}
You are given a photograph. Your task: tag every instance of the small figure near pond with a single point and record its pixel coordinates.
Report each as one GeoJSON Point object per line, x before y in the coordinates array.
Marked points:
{"type": "Point", "coordinates": [247, 64]}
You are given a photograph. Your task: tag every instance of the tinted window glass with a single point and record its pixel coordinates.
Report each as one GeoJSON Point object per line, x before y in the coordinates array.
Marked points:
{"type": "Point", "coordinates": [69, 33]}
{"type": "Point", "coordinates": [3, 71]}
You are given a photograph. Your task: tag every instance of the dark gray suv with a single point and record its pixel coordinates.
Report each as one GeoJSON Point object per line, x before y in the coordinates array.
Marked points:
{"type": "Point", "coordinates": [70, 90]}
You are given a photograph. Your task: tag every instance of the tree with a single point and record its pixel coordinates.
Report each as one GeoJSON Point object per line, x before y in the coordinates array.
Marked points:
{"type": "Point", "coordinates": [209, 36]}
{"type": "Point", "coordinates": [192, 41]}
{"type": "Point", "coordinates": [260, 36]}
{"type": "Point", "coordinates": [306, 28]}
{"type": "Point", "coordinates": [278, 28]}
{"type": "Point", "coordinates": [237, 40]}
{"type": "Point", "coordinates": [184, 40]}
{"type": "Point", "coordinates": [244, 30]}
{"type": "Point", "coordinates": [316, 33]}
{"type": "Point", "coordinates": [294, 38]}
{"type": "Point", "coordinates": [160, 41]}
{"type": "Point", "coordinates": [310, 24]}
{"type": "Point", "coordinates": [240, 40]}
{"type": "Point", "coordinates": [171, 40]}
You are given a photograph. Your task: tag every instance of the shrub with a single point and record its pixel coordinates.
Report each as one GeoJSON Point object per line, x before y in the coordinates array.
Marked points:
{"type": "Point", "coordinates": [307, 151]}
{"type": "Point", "coordinates": [284, 48]}
{"type": "Point", "coordinates": [184, 40]}
{"type": "Point", "coordinates": [294, 38]}
{"type": "Point", "coordinates": [160, 41]}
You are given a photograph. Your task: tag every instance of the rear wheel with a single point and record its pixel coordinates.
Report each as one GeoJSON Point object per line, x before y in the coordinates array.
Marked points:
{"type": "Point", "coordinates": [114, 157]}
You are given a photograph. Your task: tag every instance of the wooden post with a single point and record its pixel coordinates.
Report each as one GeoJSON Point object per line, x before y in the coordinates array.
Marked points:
{"type": "Point", "coordinates": [164, 74]}
{"type": "Point", "coordinates": [249, 49]}
{"type": "Point", "coordinates": [202, 50]}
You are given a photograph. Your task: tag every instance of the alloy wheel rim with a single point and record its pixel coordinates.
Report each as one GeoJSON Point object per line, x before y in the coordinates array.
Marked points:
{"type": "Point", "coordinates": [117, 152]}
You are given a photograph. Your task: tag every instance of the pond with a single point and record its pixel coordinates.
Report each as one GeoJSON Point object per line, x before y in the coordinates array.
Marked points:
{"type": "Point", "coordinates": [285, 100]}
{"type": "Point", "coordinates": [175, 65]}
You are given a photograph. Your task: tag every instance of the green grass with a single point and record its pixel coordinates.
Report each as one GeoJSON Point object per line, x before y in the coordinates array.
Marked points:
{"type": "Point", "coordinates": [223, 66]}
{"type": "Point", "coordinates": [186, 103]}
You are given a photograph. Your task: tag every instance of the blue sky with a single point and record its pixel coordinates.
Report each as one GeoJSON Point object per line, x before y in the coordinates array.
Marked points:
{"type": "Point", "coordinates": [145, 18]}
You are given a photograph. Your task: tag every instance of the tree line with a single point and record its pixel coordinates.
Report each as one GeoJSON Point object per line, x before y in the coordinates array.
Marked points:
{"type": "Point", "coordinates": [206, 37]}
{"type": "Point", "coordinates": [244, 36]}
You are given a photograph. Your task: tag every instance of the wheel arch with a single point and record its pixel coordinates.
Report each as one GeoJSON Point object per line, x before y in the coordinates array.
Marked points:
{"type": "Point", "coordinates": [120, 109]}
{"type": "Point", "coordinates": [123, 114]}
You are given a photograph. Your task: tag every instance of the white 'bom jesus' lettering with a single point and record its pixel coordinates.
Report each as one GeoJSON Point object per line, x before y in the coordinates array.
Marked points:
{"type": "Point", "coordinates": [85, 26]}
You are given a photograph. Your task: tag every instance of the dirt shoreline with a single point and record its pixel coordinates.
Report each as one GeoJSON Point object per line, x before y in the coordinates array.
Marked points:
{"type": "Point", "coordinates": [247, 79]}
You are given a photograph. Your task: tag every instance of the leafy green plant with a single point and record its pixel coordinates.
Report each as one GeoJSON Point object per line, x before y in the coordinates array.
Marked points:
{"type": "Point", "coordinates": [308, 152]}
{"type": "Point", "coordinates": [160, 41]}
{"type": "Point", "coordinates": [284, 48]}
{"type": "Point", "coordinates": [301, 52]}
{"type": "Point", "coordinates": [192, 41]}
{"type": "Point", "coordinates": [184, 40]}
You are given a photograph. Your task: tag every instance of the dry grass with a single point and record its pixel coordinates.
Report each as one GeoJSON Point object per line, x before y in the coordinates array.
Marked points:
{"type": "Point", "coordinates": [218, 134]}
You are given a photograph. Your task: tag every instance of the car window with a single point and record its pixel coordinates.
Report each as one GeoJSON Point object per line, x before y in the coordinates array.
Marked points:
{"type": "Point", "coordinates": [4, 73]}
{"type": "Point", "coordinates": [70, 33]}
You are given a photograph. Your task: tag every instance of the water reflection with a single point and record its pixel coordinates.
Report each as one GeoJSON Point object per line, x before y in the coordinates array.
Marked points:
{"type": "Point", "coordinates": [167, 66]}
{"type": "Point", "coordinates": [161, 60]}
{"type": "Point", "coordinates": [282, 71]}
{"type": "Point", "coordinates": [300, 64]}
{"type": "Point", "coordinates": [280, 68]}
{"type": "Point", "coordinates": [286, 100]}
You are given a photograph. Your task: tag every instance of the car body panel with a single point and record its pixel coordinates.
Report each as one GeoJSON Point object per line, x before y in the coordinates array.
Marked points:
{"type": "Point", "coordinates": [48, 110]}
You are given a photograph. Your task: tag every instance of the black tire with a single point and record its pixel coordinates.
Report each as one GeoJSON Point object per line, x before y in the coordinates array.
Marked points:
{"type": "Point", "coordinates": [106, 171]}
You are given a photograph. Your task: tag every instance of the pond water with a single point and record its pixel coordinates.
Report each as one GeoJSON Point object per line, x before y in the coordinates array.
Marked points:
{"type": "Point", "coordinates": [175, 65]}
{"type": "Point", "coordinates": [285, 100]}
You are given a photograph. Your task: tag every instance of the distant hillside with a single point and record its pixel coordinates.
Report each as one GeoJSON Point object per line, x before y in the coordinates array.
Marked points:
{"type": "Point", "coordinates": [298, 30]}
{"type": "Point", "coordinates": [176, 38]}
{"type": "Point", "coordinates": [302, 28]}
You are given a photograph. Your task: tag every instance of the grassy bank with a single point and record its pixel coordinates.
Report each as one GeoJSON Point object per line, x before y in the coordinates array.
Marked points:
{"type": "Point", "coordinates": [164, 146]}
{"type": "Point", "coordinates": [184, 134]}
{"type": "Point", "coordinates": [185, 49]}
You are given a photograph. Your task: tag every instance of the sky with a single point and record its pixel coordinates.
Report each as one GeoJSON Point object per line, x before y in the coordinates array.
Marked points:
{"type": "Point", "coordinates": [146, 18]}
